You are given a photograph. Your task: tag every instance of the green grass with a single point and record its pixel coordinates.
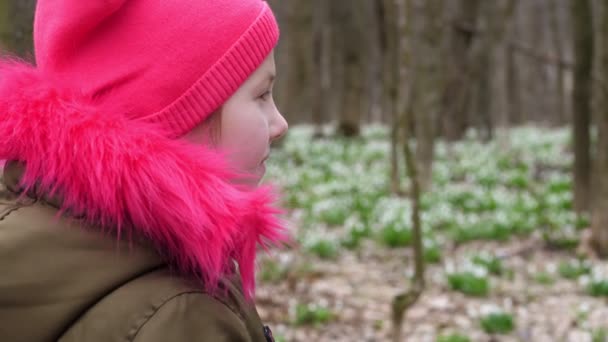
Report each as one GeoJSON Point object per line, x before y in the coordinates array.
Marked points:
{"type": "Point", "coordinates": [396, 236]}
{"type": "Point", "coordinates": [310, 314]}
{"type": "Point", "coordinates": [600, 335]}
{"type": "Point", "coordinates": [324, 249]}
{"type": "Point", "coordinates": [491, 263]}
{"type": "Point", "coordinates": [573, 269]}
{"type": "Point", "coordinates": [598, 288]}
{"type": "Point", "coordinates": [272, 272]}
{"type": "Point", "coordinates": [432, 254]}
{"type": "Point", "coordinates": [497, 323]}
{"type": "Point", "coordinates": [469, 284]}
{"type": "Point", "coordinates": [453, 338]}
{"type": "Point", "coordinates": [544, 278]}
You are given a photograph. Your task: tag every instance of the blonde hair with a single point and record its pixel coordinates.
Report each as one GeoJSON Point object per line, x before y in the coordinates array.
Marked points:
{"type": "Point", "coordinates": [209, 131]}
{"type": "Point", "coordinates": [213, 127]}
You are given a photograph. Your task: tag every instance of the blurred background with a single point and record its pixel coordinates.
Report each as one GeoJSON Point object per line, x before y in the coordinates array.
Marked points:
{"type": "Point", "coordinates": [445, 173]}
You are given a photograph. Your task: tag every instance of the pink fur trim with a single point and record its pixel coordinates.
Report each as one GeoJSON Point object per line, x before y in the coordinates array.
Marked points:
{"type": "Point", "coordinates": [128, 176]}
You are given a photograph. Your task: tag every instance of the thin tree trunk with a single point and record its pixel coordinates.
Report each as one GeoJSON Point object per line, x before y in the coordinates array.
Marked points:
{"type": "Point", "coordinates": [282, 55]}
{"type": "Point", "coordinates": [560, 105]}
{"type": "Point", "coordinates": [483, 105]}
{"type": "Point", "coordinates": [349, 19]}
{"type": "Point", "coordinates": [497, 19]}
{"type": "Point", "coordinates": [599, 220]}
{"type": "Point", "coordinates": [374, 64]}
{"type": "Point", "coordinates": [426, 63]}
{"type": "Point", "coordinates": [456, 95]}
{"type": "Point", "coordinates": [294, 96]}
{"type": "Point", "coordinates": [385, 12]}
{"type": "Point", "coordinates": [515, 115]}
{"type": "Point", "coordinates": [403, 301]}
{"type": "Point", "coordinates": [537, 99]}
{"type": "Point", "coordinates": [321, 55]}
{"type": "Point", "coordinates": [583, 52]}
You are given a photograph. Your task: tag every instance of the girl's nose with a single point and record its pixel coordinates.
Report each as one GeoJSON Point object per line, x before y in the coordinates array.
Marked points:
{"type": "Point", "coordinates": [278, 126]}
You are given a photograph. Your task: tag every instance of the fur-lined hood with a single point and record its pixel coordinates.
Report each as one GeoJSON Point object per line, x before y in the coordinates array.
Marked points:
{"type": "Point", "coordinates": [126, 176]}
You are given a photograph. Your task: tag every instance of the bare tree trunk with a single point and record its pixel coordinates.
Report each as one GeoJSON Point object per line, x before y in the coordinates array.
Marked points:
{"type": "Point", "coordinates": [403, 301]}
{"type": "Point", "coordinates": [337, 68]}
{"type": "Point", "coordinates": [282, 55]}
{"type": "Point", "coordinates": [294, 60]}
{"type": "Point", "coordinates": [483, 104]}
{"type": "Point", "coordinates": [385, 11]}
{"type": "Point", "coordinates": [599, 220]}
{"type": "Point", "coordinates": [456, 95]}
{"type": "Point", "coordinates": [583, 52]}
{"type": "Point", "coordinates": [321, 52]}
{"type": "Point", "coordinates": [374, 89]}
{"type": "Point", "coordinates": [426, 63]}
{"type": "Point", "coordinates": [537, 99]}
{"type": "Point", "coordinates": [496, 20]}
{"type": "Point", "coordinates": [560, 104]}
{"type": "Point", "coordinates": [514, 103]}
{"type": "Point", "coordinates": [349, 20]}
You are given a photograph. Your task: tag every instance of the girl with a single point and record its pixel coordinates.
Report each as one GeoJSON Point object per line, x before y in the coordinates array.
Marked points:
{"type": "Point", "coordinates": [134, 151]}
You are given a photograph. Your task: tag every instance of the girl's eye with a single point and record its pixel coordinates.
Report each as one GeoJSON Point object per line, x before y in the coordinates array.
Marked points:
{"type": "Point", "coordinates": [266, 95]}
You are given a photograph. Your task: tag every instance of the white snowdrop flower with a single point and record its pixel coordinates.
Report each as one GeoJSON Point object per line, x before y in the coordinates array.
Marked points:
{"type": "Point", "coordinates": [428, 242]}
{"type": "Point", "coordinates": [449, 266]}
{"type": "Point", "coordinates": [352, 221]}
{"type": "Point", "coordinates": [501, 217]}
{"type": "Point", "coordinates": [478, 271]}
{"type": "Point", "coordinates": [599, 272]}
{"type": "Point", "coordinates": [551, 267]}
{"type": "Point", "coordinates": [584, 307]}
{"type": "Point", "coordinates": [473, 311]}
{"type": "Point", "coordinates": [441, 239]}
{"type": "Point", "coordinates": [489, 308]}
{"type": "Point", "coordinates": [322, 302]}
{"type": "Point", "coordinates": [584, 280]}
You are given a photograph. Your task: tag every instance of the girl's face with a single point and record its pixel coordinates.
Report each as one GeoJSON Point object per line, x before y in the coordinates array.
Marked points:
{"type": "Point", "coordinates": [246, 124]}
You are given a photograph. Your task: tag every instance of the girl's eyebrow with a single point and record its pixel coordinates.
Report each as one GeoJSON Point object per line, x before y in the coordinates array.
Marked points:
{"type": "Point", "coordinates": [271, 77]}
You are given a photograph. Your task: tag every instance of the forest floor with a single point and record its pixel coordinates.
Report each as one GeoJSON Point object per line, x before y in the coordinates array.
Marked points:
{"type": "Point", "coordinates": [356, 290]}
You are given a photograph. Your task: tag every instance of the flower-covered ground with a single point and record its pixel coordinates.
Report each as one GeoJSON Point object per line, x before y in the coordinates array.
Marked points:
{"type": "Point", "coordinates": [507, 257]}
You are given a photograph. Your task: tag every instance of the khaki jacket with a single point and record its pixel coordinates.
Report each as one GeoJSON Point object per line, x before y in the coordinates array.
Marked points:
{"type": "Point", "coordinates": [62, 280]}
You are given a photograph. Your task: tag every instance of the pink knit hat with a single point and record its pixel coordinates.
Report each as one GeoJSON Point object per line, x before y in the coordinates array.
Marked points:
{"type": "Point", "coordinates": [170, 62]}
